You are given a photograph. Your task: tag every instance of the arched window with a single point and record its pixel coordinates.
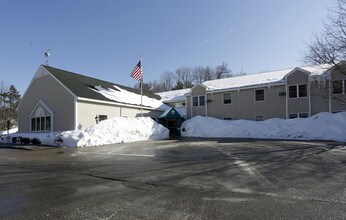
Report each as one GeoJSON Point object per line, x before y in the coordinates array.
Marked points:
{"type": "Point", "coordinates": [41, 118]}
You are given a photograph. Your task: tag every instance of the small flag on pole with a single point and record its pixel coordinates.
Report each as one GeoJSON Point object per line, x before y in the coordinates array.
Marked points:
{"type": "Point", "coordinates": [137, 72]}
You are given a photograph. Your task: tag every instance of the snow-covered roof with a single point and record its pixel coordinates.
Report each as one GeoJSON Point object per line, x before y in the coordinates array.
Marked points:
{"type": "Point", "coordinates": [99, 90]}
{"type": "Point", "coordinates": [264, 78]}
{"type": "Point", "coordinates": [174, 95]}
{"type": "Point", "coordinates": [121, 95]}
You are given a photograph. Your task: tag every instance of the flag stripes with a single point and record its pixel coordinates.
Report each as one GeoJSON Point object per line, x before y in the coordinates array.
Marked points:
{"type": "Point", "coordinates": [137, 72]}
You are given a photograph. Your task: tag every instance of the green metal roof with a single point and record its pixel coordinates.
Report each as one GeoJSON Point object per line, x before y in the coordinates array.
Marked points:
{"type": "Point", "coordinates": [82, 86]}
{"type": "Point", "coordinates": [170, 113]}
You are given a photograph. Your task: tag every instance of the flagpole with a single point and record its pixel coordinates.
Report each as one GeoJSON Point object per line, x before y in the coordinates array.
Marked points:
{"type": "Point", "coordinates": [142, 88]}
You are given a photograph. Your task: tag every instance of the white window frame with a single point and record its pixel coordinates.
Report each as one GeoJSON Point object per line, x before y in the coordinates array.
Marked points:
{"type": "Point", "coordinates": [298, 115]}
{"type": "Point", "coordinates": [199, 101]}
{"type": "Point", "coordinates": [297, 91]}
{"type": "Point", "coordinates": [37, 114]}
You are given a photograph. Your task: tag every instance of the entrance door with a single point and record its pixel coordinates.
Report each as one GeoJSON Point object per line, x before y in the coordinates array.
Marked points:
{"type": "Point", "coordinates": [172, 127]}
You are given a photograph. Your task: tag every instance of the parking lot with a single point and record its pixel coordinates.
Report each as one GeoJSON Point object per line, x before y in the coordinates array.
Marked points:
{"type": "Point", "coordinates": [176, 179]}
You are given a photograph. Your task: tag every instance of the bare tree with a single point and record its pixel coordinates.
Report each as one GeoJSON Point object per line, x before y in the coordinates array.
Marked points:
{"type": "Point", "coordinates": [201, 74]}
{"type": "Point", "coordinates": [167, 80]}
{"type": "Point", "coordinates": [184, 75]}
{"type": "Point", "coordinates": [329, 46]}
{"type": "Point", "coordinates": [222, 71]}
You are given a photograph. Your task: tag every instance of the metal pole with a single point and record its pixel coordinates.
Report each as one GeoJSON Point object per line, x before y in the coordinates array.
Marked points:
{"type": "Point", "coordinates": [141, 87]}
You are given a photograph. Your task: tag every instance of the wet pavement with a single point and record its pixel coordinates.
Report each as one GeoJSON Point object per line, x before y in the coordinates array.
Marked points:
{"type": "Point", "coordinates": [175, 179]}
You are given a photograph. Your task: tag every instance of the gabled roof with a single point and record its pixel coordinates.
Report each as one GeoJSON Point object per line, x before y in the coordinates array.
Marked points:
{"type": "Point", "coordinates": [83, 86]}
{"type": "Point", "coordinates": [170, 113]}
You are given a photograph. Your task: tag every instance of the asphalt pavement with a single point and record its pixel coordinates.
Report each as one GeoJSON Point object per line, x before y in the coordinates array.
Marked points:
{"type": "Point", "coordinates": [175, 179]}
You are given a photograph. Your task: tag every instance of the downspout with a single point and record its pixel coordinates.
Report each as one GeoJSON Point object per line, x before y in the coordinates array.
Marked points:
{"type": "Point", "coordinates": [75, 113]}
{"type": "Point", "coordinates": [191, 116]}
{"type": "Point", "coordinates": [309, 91]}
{"type": "Point", "coordinates": [286, 99]}
{"type": "Point", "coordinates": [330, 93]}
{"type": "Point", "coordinates": [206, 105]}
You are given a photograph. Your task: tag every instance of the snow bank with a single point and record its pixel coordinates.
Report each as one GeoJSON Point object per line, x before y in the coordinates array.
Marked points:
{"type": "Point", "coordinates": [11, 131]}
{"type": "Point", "coordinates": [116, 130]}
{"type": "Point", "coordinates": [322, 126]}
{"type": "Point", "coordinates": [45, 138]}
{"type": "Point", "coordinates": [111, 131]}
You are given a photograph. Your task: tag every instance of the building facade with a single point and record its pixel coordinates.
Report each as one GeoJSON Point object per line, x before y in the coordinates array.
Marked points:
{"type": "Point", "coordinates": [291, 93]}
{"type": "Point", "coordinates": [59, 100]}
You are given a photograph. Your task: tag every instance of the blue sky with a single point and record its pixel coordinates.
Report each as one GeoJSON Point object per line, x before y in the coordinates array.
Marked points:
{"type": "Point", "coordinates": [105, 39]}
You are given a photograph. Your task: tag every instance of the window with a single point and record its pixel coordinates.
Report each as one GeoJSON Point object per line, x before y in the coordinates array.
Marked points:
{"type": "Point", "coordinates": [297, 91]}
{"type": "Point", "coordinates": [292, 91]}
{"type": "Point", "coordinates": [227, 98]}
{"type": "Point", "coordinates": [293, 116]}
{"type": "Point", "coordinates": [198, 100]}
{"type": "Point", "coordinates": [48, 126]}
{"type": "Point", "coordinates": [195, 101]}
{"type": "Point", "coordinates": [41, 118]}
{"type": "Point", "coordinates": [38, 127]}
{"type": "Point", "coordinates": [303, 115]}
{"type": "Point", "coordinates": [33, 124]}
{"type": "Point", "coordinates": [298, 115]}
{"type": "Point", "coordinates": [302, 90]}
{"type": "Point", "coordinates": [259, 95]}
{"type": "Point", "coordinates": [41, 124]}
{"type": "Point", "coordinates": [260, 118]}
{"type": "Point", "coordinates": [201, 100]}
{"type": "Point", "coordinates": [102, 117]}
{"type": "Point", "coordinates": [337, 87]}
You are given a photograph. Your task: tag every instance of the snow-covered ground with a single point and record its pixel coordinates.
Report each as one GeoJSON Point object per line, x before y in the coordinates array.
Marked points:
{"type": "Point", "coordinates": [11, 131]}
{"type": "Point", "coordinates": [116, 130]}
{"type": "Point", "coordinates": [322, 126]}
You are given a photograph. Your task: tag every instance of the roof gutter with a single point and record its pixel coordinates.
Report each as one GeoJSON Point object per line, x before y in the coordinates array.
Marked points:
{"type": "Point", "coordinates": [117, 104]}
{"type": "Point", "coordinates": [246, 87]}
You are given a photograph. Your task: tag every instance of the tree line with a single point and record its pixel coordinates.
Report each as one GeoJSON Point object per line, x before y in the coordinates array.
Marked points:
{"type": "Point", "coordinates": [186, 77]}
{"type": "Point", "coordinates": [9, 100]}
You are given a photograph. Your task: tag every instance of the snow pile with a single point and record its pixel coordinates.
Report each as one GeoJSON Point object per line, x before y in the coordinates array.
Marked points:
{"type": "Point", "coordinates": [322, 126]}
{"type": "Point", "coordinates": [124, 96]}
{"type": "Point", "coordinates": [116, 130]}
{"type": "Point", "coordinates": [11, 131]}
{"type": "Point", "coordinates": [111, 131]}
{"type": "Point", "coordinates": [45, 138]}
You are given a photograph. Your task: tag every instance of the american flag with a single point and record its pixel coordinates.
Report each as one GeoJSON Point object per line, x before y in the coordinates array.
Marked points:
{"type": "Point", "coordinates": [137, 72]}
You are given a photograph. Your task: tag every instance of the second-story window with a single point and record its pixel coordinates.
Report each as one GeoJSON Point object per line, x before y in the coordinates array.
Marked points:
{"type": "Point", "coordinates": [297, 91]}
{"type": "Point", "coordinates": [198, 100]}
